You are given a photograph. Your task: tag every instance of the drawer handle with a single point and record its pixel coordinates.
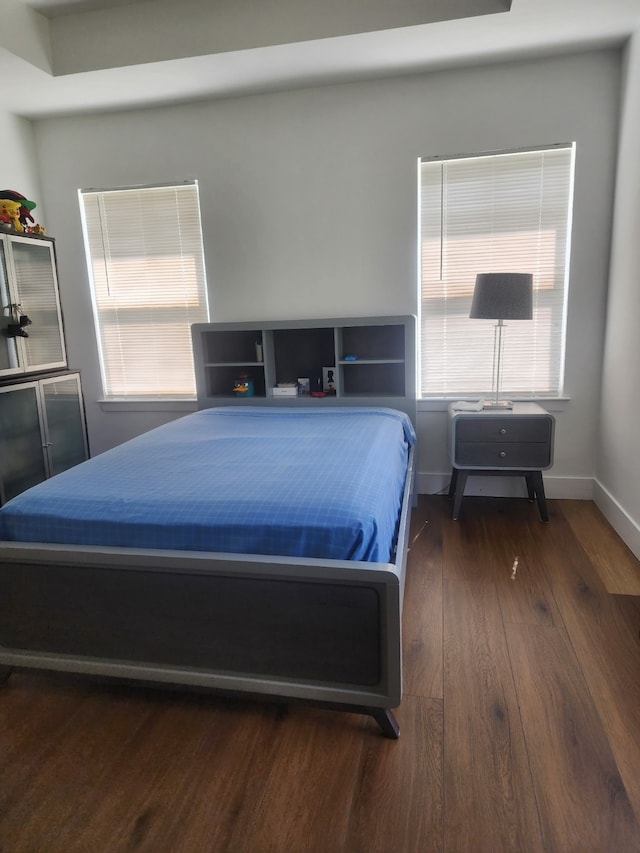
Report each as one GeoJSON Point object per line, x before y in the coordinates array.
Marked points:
{"type": "Point", "coordinates": [503, 431]}
{"type": "Point", "coordinates": [503, 454]}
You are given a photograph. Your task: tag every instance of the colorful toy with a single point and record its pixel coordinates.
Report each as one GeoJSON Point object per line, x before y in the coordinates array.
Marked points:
{"type": "Point", "coordinates": [243, 386]}
{"type": "Point", "coordinates": [15, 210]}
{"type": "Point", "coordinates": [10, 213]}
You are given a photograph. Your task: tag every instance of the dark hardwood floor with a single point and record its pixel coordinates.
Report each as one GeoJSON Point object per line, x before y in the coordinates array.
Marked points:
{"type": "Point", "coordinates": [520, 723]}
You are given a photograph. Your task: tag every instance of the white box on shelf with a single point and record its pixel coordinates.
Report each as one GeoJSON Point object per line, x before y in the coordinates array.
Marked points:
{"type": "Point", "coordinates": [287, 391]}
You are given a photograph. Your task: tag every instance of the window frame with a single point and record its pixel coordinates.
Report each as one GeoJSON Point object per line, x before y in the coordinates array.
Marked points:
{"type": "Point", "coordinates": [438, 400]}
{"type": "Point", "coordinates": [196, 281]}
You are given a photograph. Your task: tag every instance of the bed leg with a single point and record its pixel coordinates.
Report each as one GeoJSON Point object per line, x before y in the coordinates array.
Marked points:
{"type": "Point", "coordinates": [5, 672]}
{"type": "Point", "coordinates": [387, 722]}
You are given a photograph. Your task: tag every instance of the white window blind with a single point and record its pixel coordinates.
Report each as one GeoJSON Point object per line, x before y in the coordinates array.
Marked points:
{"type": "Point", "coordinates": [507, 212]}
{"type": "Point", "coordinates": [146, 266]}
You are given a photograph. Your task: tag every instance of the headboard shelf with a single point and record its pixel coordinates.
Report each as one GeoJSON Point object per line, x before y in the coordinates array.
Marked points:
{"type": "Point", "coordinates": [363, 361]}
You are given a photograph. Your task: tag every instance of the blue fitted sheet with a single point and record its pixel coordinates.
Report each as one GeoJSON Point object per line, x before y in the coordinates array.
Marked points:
{"type": "Point", "coordinates": [276, 481]}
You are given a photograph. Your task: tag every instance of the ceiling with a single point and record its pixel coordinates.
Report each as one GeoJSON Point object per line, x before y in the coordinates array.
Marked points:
{"type": "Point", "coordinates": [56, 8]}
{"type": "Point", "coordinates": [62, 57]}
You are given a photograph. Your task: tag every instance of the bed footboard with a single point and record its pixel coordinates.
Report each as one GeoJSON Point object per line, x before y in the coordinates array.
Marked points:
{"type": "Point", "coordinates": [301, 629]}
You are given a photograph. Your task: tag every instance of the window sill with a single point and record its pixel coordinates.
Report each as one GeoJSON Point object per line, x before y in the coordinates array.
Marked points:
{"type": "Point", "coordinates": [146, 404]}
{"type": "Point", "coordinates": [441, 404]}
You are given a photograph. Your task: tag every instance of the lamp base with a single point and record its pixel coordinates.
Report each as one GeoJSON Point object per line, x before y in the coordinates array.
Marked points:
{"type": "Point", "coordinates": [497, 404]}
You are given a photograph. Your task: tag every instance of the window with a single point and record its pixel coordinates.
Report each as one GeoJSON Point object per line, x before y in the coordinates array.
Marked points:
{"type": "Point", "coordinates": [146, 268]}
{"type": "Point", "coordinates": [506, 212]}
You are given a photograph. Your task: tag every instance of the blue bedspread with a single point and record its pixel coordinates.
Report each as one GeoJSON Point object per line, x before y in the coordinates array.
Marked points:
{"type": "Point", "coordinates": [292, 482]}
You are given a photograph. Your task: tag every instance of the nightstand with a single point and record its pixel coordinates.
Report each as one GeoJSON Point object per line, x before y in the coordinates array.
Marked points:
{"type": "Point", "coordinates": [506, 442]}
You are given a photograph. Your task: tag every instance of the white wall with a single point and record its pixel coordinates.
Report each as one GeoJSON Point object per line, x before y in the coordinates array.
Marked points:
{"type": "Point", "coordinates": [25, 33]}
{"type": "Point", "coordinates": [309, 203]}
{"type": "Point", "coordinates": [19, 165]}
{"type": "Point", "coordinates": [618, 491]}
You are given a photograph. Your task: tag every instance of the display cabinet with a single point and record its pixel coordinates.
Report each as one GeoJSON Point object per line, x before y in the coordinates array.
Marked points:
{"type": "Point", "coordinates": [42, 431]}
{"type": "Point", "coordinates": [368, 361]}
{"type": "Point", "coordinates": [31, 329]}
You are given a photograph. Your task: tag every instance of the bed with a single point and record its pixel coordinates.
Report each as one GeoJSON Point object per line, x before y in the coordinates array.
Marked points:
{"type": "Point", "coordinates": [252, 550]}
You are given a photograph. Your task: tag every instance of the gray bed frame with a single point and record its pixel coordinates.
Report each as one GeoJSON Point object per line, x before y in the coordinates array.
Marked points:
{"type": "Point", "coordinates": [288, 629]}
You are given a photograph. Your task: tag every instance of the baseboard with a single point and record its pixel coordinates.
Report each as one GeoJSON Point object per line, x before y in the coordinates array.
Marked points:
{"type": "Point", "coordinates": [626, 528]}
{"type": "Point", "coordinates": [570, 488]}
{"type": "Point", "coordinates": [433, 484]}
{"type": "Point", "coordinates": [573, 488]}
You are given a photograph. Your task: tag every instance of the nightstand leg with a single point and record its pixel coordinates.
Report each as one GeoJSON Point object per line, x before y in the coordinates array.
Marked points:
{"type": "Point", "coordinates": [531, 490]}
{"type": "Point", "coordinates": [461, 482]}
{"type": "Point", "coordinates": [536, 478]}
{"type": "Point", "coordinates": [452, 484]}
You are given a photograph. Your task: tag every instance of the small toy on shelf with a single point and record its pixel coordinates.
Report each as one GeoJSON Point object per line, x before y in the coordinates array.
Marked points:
{"type": "Point", "coordinates": [243, 386]}
{"type": "Point", "coordinates": [10, 214]}
{"type": "Point", "coordinates": [15, 211]}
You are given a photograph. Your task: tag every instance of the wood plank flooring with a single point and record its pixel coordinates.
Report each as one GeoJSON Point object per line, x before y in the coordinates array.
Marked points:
{"type": "Point", "coordinates": [520, 723]}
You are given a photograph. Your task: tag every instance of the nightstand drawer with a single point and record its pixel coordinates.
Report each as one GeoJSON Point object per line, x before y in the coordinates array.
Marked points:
{"type": "Point", "coordinates": [520, 429]}
{"type": "Point", "coordinates": [493, 454]}
{"type": "Point", "coordinates": [516, 442]}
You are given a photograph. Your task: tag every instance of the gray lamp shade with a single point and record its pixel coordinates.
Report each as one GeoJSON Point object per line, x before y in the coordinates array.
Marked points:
{"type": "Point", "coordinates": [502, 296]}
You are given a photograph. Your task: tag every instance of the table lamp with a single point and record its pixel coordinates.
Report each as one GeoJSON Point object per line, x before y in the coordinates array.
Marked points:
{"type": "Point", "coordinates": [501, 296]}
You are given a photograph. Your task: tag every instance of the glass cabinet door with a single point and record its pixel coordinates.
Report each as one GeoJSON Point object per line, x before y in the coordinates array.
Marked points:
{"type": "Point", "coordinates": [64, 419]}
{"type": "Point", "coordinates": [8, 350]}
{"type": "Point", "coordinates": [37, 295]}
{"type": "Point", "coordinates": [22, 460]}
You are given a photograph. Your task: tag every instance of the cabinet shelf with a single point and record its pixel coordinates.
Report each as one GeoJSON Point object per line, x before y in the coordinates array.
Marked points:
{"type": "Point", "coordinates": [350, 362]}
{"type": "Point", "coordinates": [52, 437]}
{"type": "Point", "coordinates": [42, 426]}
{"type": "Point", "coordinates": [29, 289]}
{"type": "Point", "coordinates": [382, 372]}
{"type": "Point", "coordinates": [234, 364]}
